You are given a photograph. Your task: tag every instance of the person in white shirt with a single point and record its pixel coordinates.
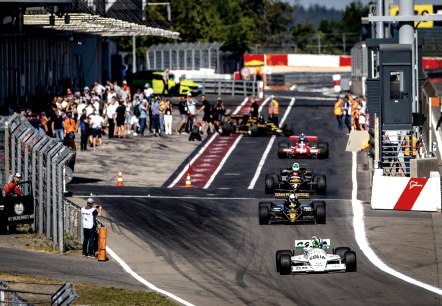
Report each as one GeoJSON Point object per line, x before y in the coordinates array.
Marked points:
{"type": "Point", "coordinates": [110, 115]}
{"type": "Point", "coordinates": [96, 123]}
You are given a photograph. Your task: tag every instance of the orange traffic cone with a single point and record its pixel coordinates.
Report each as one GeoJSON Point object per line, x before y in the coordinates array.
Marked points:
{"type": "Point", "coordinates": [188, 183]}
{"type": "Point", "coordinates": [120, 179]}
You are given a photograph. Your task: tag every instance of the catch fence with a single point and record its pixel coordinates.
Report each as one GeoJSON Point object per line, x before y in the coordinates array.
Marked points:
{"type": "Point", "coordinates": [41, 160]}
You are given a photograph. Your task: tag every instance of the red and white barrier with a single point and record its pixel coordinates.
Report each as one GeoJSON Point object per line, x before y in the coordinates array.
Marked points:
{"type": "Point", "coordinates": [406, 193]}
{"type": "Point", "coordinates": [337, 83]}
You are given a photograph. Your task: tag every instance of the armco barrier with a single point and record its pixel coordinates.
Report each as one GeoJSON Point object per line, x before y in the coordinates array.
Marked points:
{"type": "Point", "coordinates": [406, 193]}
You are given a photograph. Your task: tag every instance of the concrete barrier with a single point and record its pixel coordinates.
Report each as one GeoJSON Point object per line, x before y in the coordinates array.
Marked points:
{"type": "Point", "coordinates": [406, 193]}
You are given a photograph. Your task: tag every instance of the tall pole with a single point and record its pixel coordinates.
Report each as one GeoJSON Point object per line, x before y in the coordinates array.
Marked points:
{"type": "Point", "coordinates": [134, 54]}
{"type": "Point", "coordinates": [380, 24]}
{"type": "Point", "coordinates": [406, 37]}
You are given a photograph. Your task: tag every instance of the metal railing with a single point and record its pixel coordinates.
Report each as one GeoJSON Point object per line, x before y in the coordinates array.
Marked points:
{"type": "Point", "coordinates": [41, 160]}
{"type": "Point", "coordinates": [230, 87]}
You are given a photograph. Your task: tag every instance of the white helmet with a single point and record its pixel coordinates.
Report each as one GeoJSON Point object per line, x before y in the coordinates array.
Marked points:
{"type": "Point", "coordinates": [295, 167]}
{"type": "Point", "coordinates": [292, 197]}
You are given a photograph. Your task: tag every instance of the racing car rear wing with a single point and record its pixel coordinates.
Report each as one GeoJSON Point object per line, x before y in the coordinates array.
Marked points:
{"type": "Point", "coordinates": [308, 138]}
{"type": "Point", "coordinates": [300, 244]}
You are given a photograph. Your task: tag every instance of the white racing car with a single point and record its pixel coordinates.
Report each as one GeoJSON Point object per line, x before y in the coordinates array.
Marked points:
{"type": "Point", "coordinates": [315, 258]}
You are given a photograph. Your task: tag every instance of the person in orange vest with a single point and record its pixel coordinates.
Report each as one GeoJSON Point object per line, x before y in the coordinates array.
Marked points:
{"type": "Point", "coordinates": [337, 110]}
{"type": "Point", "coordinates": [406, 146]}
{"type": "Point", "coordinates": [354, 113]}
{"type": "Point", "coordinates": [273, 110]}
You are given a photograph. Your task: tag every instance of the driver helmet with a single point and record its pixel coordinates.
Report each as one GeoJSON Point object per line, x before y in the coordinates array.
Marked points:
{"type": "Point", "coordinates": [316, 242]}
{"type": "Point", "coordinates": [295, 167]}
{"type": "Point", "coordinates": [292, 197]}
{"type": "Point", "coordinates": [302, 137]}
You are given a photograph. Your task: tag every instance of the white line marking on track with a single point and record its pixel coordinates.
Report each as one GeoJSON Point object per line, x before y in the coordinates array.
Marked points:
{"type": "Point", "coordinates": [151, 286]}
{"type": "Point", "coordinates": [184, 171]}
{"type": "Point", "coordinates": [361, 239]}
{"type": "Point", "coordinates": [223, 161]}
{"type": "Point", "coordinates": [269, 146]}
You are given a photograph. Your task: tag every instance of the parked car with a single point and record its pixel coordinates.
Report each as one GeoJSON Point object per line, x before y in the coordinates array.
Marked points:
{"type": "Point", "coordinates": [155, 80]}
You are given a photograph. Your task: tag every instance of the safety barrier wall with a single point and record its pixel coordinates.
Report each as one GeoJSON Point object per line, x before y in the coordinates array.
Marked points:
{"type": "Point", "coordinates": [406, 193]}
{"type": "Point", "coordinates": [41, 160]}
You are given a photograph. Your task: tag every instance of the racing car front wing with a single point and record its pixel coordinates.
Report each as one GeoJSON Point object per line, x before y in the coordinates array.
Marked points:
{"type": "Point", "coordinates": [328, 268]}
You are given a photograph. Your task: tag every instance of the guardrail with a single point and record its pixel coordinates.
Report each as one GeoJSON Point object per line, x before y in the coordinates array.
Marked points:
{"type": "Point", "coordinates": [231, 87]}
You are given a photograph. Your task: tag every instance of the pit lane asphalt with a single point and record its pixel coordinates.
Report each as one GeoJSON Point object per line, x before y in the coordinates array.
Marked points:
{"type": "Point", "coordinates": [209, 248]}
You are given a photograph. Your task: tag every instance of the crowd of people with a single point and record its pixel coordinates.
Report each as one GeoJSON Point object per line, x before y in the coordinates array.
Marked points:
{"type": "Point", "coordinates": [113, 110]}
{"type": "Point", "coordinates": [351, 111]}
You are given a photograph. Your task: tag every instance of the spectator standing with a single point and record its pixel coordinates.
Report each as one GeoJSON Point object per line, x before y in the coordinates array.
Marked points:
{"type": "Point", "coordinates": [207, 117]}
{"type": "Point", "coordinates": [162, 110]}
{"type": "Point", "coordinates": [96, 123]}
{"type": "Point", "coordinates": [84, 130]}
{"type": "Point", "coordinates": [182, 108]}
{"type": "Point", "coordinates": [117, 89]}
{"type": "Point", "coordinates": [99, 89]}
{"type": "Point", "coordinates": [337, 110]}
{"type": "Point", "coordinates": [166, 81]}
{"type": "Point", "coordinates": [111, 115]}
{"type": "Point", "coordinates": [143, 107]}
{"type": "Point", "coordinates": [147, 92]}
{"type": "Point", "coordinates": [57, 125]}
{"type": "Point", "coordinates": [128, 116]}
{"type": "Point", "coordinates": [168, 117]}
{"type": "Point", "coordinates": [69, 126]}
{"type": "Point", "coordinates": [362, 114]}
{"type": "Point", "coordinates": [254, 108]}
{"type": "Point", "coordinates": [120, 116]}
{"type": "Point", "coordinates": [125, 91]}
{"type": "Point", "coordinates": [191, 106]}
{"type": "Point", "coordinates": [346, 111]}
{"type": "Point", "coordinates": [177, 79]}
{"type": "Point", "coordinates": [44, 122]}
{"type": "Point", "coordinates": [89, 224]}
{"type": "Point", "coordinates": [218, 113]}
{"type": "Point", "coordinates": [273, 110]}
{"type": "Point", "coordinates": [156, 108]}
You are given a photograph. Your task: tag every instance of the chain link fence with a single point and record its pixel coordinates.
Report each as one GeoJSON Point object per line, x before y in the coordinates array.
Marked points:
{"type": "Point", "coordinates": [41, 160]}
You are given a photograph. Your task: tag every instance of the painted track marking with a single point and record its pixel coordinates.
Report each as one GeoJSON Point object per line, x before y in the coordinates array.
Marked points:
{"type": "Point", "coordinates": [269, 146]}
{"type": "Point", "coordinates": [361, 239]}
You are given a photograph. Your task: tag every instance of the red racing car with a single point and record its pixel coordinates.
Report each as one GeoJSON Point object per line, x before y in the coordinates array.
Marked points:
{"type": "Point", "coordinates": [303, 148]}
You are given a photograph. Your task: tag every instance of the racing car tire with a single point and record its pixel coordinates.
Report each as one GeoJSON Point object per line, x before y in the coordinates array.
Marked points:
{"type": "Point", "coordinates": [341, 251]}
{"type": "Point", "coordinates": [320, 212]}
{"type": "Point", "coordinates": [270, 181]}
{"type": "Point", "coordinates": [350, 261]}
{"type": "Point", "coordinates": [254, 131]}
{"type": "Point", "coordinates": [281, 146]}
{"type": "Point", "coordinates": [263, 214]}
{"type": "Point", "coordinates": [323, 146]}
{"type": "Point", "coordinates": [226, 129]}
{"type": "Point", "coordinates": [266, 204]}
{"type": "Point", "coordinates": [321, 184]}
{"type": "Point", "coordinates": [278, 257]}
{"type": "Point", "coordinates": [285, 264]}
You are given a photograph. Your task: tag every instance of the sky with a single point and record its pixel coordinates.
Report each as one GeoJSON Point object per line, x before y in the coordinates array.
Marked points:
{"type": "Point", "coordinates": [341, 4]}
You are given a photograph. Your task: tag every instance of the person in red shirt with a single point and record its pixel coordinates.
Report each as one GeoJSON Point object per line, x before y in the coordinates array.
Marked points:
{"type": "Point", "coordinates": [13, 188]}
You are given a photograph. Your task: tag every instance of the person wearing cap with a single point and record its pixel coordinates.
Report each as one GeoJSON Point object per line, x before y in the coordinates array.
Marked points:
{"type": "Point", "coordinates": [89, 223]}
{"type": "Point", "coordinates": [13, 187]}
{"type": "Point", "coordinates": [207, 117]}
{"type": "Point", "coordinates": [273, 110]}
{"type": "Point", "coordinates": [337, 110]}
{"type": "Point", "coordinates": [191, 107]}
